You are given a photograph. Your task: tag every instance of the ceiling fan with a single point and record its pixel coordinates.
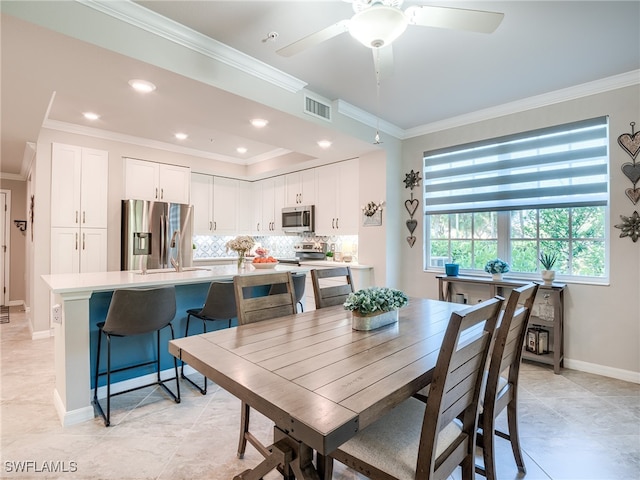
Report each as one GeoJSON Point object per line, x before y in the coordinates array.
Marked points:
{"type": "Point", "coordinates": [377, 23]}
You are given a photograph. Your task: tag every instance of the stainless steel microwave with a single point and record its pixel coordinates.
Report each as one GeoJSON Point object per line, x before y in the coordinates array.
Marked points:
{"type": "Point", "coordinates": [298, 219]}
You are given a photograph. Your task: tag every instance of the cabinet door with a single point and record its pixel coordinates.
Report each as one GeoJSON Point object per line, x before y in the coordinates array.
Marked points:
{"type": "Point", "coordinates": [65, 244]}
{"type": "Point", "coordinates": [308, 187]}
{"type": "Point", "coordinates": [292, 189]}
{"type": "Point", "coordinates": [257, 226]}
{"type": "Point", "coordinates": [348, 207]}
{"type": "Point", "coordinates": [225, 205]}
{"type": "Point", "coordinates": [66, 163]}
{"type": "Point", "coordinates": [268, 206]}
{"type": "Point", "coordinates": [202, 201]}
{"type": "Point", "coordinates": [173, 183]}
{"type": "Point", "coordinates": [93, 250]}
{"type": "Point", "coordinates": [141, 179]}
{"type": "Point", "coordinates": [245, 208]}
{"type": "Point", "coordinates": [278, 205]}
{"type": "Point", "coordinates": [94, 188]}
{"type": "Point", "coordinates": [326, 200]}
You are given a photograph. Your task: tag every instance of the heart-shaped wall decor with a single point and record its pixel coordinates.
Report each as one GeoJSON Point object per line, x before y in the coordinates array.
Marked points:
{"type": "Point", "coordinates": [632, 171]}
{"type": "Point", "coordinates": [630, 143]}
{"type": "Point", "coordinates": [411, 240]}
{"type": "Point", "coordinates": [633, 194]}
{"type": "Point", "coordinates": [411, 225]}
{"type": "Point", "coordinates": [411, 206]}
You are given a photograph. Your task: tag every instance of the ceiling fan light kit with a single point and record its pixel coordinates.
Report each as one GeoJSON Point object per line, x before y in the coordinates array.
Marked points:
{"type": "Point", "coordinates": [378, 25]}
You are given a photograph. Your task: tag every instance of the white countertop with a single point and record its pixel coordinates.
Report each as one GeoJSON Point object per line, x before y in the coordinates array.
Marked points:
{"type": "Point", "coordinates": [330, 264]}
{"type": "Point", "coordinates": [106, 281]}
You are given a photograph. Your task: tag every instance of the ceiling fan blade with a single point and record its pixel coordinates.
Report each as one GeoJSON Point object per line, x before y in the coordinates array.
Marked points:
{"type": "Point", "coordinates": [456, 18]}
{"type": "Point", "coordinates": [314, 39]}
{"type": "Point", "coordinates": [383, 61]}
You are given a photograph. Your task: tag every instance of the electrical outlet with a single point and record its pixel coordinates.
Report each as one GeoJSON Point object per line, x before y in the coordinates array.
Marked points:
{"type": "Point", "coordinates": [56, 313]}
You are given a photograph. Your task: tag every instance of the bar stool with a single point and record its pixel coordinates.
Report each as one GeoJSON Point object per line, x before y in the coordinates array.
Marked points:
{"type": "Point", "coordinates": [220, 305]}
{"type": "Point", "coordinates": [136, 312]}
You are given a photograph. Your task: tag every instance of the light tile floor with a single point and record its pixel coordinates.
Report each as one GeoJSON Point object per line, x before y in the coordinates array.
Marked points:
{"type": "Point", "coordinates": [574, 426]}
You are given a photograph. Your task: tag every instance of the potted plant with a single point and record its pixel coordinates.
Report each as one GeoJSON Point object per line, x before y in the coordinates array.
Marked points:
{"type": "Point", "coordinates": [374, 307]}
{"type": "Point", "coordinates": [496, 268]}
{"type": "Point", "coordinates": [451, 269]}
{"type": "Point", "coordinates": [548, 260]}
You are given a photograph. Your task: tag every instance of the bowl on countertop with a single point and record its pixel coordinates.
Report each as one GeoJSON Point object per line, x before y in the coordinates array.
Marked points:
{"type": "Point", "coordinates": [265, 265]}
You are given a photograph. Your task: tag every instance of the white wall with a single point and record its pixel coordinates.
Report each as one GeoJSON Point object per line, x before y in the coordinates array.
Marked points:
{"type": "Point", "coordinates": [602, 323]}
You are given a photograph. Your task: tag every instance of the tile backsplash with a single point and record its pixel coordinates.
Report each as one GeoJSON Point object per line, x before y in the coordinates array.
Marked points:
{"type": "Point", "coordinates": [280, 246]}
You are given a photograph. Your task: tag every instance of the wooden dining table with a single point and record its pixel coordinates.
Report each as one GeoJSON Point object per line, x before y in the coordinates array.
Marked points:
{"type": "Point", "coordinates": [316, 378]}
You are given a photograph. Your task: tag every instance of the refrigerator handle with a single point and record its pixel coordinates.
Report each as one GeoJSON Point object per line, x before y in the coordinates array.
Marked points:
{"type": "Point", "coordinates": [163, 235]}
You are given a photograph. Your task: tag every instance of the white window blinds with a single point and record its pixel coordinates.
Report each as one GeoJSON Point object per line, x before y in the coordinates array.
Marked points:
{"type": "Point", "coordinates": [566, 165]}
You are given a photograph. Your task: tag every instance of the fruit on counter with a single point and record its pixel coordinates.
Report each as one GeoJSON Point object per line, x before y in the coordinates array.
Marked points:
{"type": "Point", "coordinates": [264, 260]}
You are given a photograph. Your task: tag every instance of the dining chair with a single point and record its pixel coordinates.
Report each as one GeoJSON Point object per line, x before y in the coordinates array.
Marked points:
{"type": "Point", "coordinates": [299, 283]}
{"type": "Point", "coordinates": [136, 311]}
{"type": "Point", "coordinates": [220, 305]}
{"type": "Point", "coordinates": [430, 440]}
{"type": "Point", "coordinates": [501, 387]}
{"type": "Point", "coordinates": [330, 293]}
{"type": "Point", "coordinates": [251, 309]}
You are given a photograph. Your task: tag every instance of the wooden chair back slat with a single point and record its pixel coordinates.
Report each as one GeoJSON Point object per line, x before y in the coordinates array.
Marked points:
{"type": "Point", "coordinates": [256, 309]}
{"type": "Point", "coordinates": [330, 295]}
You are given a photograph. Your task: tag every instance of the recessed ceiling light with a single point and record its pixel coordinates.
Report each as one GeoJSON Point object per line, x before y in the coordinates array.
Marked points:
{"type": "Point", "coordinates": [142, 85]}
{"type": "Point", "coordinates": [91, 116]}
{"type": "Point", "coordinates": [259, 122]}
{"type": "Point", "coordinates": [324, 143]}
{"type": "Point", "coordinates": [181, 136]}
{"type": "Point", "coordinates": [241, 150]}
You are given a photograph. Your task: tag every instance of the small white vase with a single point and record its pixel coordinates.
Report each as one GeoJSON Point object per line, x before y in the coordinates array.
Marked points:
{"type": "Point", "coordinates": [496, 276]}
{"type": "Point", "coordinates": [548, 276]}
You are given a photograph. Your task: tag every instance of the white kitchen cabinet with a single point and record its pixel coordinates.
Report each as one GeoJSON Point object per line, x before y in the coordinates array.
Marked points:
{"type": "Point", "coordinates": [268, 201]}
{"type": "Point", "coordinates": [245, 207]}
{"type": "Point", "coordinates": [337, 206]}
{"type": "Point", "coordinates": [300, 188]}
{"type": "Point", "coordinates": [79, 186]}
{"type": "Point", "coordinates": [75, 250]}
{"type": "Point", "coordinates": [146, 180]}
{"type": "Point", "coordinates": [79, 190]}
{"type": "Point", "coordinates": [202, 201]}
{"type": "Point", "coordinates": [215, 204]}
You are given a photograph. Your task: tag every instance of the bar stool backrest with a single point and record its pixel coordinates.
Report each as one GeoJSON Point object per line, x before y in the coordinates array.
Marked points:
{"type": "Point", "coordinates": [135, 311]}
{"type": "Point", "coordinates": [220, 302]}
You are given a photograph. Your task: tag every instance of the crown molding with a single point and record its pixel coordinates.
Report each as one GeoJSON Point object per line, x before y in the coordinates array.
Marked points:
{"type": "Point", "coordinates": [571, 93]}
{"type": "Point", "coordinates": [163, 27]}
{"type": "Point", "coordinates": [362, 116]}
{"type": "Point", "coordinates": [143, 142]}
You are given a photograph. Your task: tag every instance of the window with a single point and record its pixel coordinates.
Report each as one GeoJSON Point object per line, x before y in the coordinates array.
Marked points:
{"type": "Point", "coordinates": [515, 196]}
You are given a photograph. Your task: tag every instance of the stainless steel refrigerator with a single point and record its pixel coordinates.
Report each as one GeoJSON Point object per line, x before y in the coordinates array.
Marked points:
{"type": "Point", "coordinates": [154, 233]}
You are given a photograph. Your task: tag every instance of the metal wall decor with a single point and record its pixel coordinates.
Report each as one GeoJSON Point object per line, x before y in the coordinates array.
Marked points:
{"type": "Point", "coordinates": [630, 143]}
{"type": "Point", "coordinates": [372, 214]}
{"type": "Point", "coordinates": [412, 180]}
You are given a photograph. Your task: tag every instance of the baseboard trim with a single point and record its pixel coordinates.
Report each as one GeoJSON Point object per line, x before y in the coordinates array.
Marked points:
{"type": "Point", "coordinates": [71, 417]}
{"type": "Point", "coordinates": [620, 374]}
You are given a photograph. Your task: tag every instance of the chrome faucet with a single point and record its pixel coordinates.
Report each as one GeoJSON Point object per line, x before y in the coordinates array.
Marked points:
{"type": "Point", "coordinates": [177, 264]}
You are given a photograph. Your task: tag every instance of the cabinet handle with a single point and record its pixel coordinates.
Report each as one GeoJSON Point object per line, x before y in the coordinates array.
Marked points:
{"type": "Point", "coordinates": [156, 193]}
{"type": "Point", "coordinates": [83, 239]}
{"type": "Point", "coordinates": [210, 226]}
{"type": "Point", "coordinates": [161, 193]}
{"type": "Point", "coordinates": [258, 226]}
{"type": "Point", "coordinates": [76, 241]}
{"type": "Point", "coordinates": [215, 226]}
{"type": "Point", "coordinates": [333, 223]}
{"type": "Point", "coordinates": [337, 226]}
{"type": "Point", "coordinates": [84, 219]}
{"type": "Point", "coordinates": [76, 216]}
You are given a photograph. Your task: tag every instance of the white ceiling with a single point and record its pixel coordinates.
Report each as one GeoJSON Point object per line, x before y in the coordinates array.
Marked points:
{"type": "Point", "coordinates": [540, 47]}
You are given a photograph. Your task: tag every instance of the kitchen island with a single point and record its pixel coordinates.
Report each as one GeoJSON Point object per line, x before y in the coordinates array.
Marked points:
{"type": "Point", "coordinates": [84, 299]}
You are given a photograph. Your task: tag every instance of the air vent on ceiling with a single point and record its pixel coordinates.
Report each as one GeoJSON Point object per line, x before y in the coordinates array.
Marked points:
{"type": "Point", "coordinates": [316, 108]}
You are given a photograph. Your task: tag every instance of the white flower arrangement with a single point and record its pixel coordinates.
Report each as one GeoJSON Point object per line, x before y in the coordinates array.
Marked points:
{"type": "Point", "coordinates": [241, 244]}
{"type": "Point", "coordinates": [496, 266]}
{"type": "Point", "coordinates": [375, 300]}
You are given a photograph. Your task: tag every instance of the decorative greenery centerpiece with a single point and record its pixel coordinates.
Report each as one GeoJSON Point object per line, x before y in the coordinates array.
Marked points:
{"type": "Point", "coordinates": [375, 307]}
{"type": "Point", "coordinates": [241, 245]}
{"type": "Point", "coordinates": [496, 267]}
